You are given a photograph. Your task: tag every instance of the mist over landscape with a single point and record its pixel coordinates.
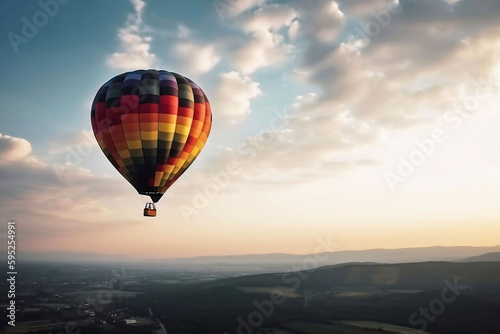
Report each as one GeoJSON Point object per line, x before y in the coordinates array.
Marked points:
{"type": "Point", "coordinates": [285, 261]}
{"type": "Point", "coordinates": [270, 293]}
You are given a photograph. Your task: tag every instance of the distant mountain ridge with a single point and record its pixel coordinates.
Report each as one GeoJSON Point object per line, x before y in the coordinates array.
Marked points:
{"type": "Point", "coordinates": [280, 261]}
{"type": "Point", "coordinates": [489, 257]}
{"type": "Point", "coordinates": [402, 255]}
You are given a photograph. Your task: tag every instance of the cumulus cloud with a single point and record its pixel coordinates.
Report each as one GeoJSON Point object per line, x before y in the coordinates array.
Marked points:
{"type": "Point", "coordinates": [391, 78]}
{"type": "Point", "coordinates": [136, 47]}
{"type": "Point", "coordinates": [267, 46]}
{"type": "Point", "coordinates": [312, 139]}
{"type": "Point", "coordinates": [418, 62]}
{"type": "Point", "coordinates": [233, 95]}
{"type": "Point", "coordinates": [271, 17]}
{"type": "Point", "coordinates": [372, 86]}
{"type": "Point", "coordinates": [54, 206]}
{"type": "Point", "coordinates": [264, 50]}
{"type": "Point", "coordinates": [198, 59]}
{"type": "Point", "coordinates": [325, 20]}
{"type": "Point", "coordinates": [13, 149]}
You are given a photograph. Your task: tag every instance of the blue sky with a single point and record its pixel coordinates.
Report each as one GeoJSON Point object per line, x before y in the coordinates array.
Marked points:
{"type": "Point", "coordinates": [66, 62]}
{"type": "Point", "coordinates": [374, 121]}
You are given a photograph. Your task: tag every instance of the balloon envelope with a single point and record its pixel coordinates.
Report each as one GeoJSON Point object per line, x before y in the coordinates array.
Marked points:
{"type": "Point", "coordinates": [151, 125]}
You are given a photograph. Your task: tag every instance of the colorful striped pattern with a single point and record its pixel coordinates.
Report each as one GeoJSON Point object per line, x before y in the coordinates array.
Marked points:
{"type": "Point", "coordinates": [151, 125]}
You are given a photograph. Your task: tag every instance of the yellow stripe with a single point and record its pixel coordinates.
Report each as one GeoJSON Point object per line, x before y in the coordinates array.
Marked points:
{"type": "Point", "coordinates": [182, 129]}
{"type": "Point", "coordinates": [149, 135]}
{"type": "Point", "coordinates": [134, 144]}
{"type": "Point", "coordinates": [166, 127]}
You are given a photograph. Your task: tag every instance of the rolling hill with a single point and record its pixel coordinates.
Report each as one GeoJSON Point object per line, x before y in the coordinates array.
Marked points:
{"type": "Point", "coordinates": [273, 262]}
{"type": "Point", "coordinates": [384, 293]}
{"type": "Point", "coordinates": [489, 257]}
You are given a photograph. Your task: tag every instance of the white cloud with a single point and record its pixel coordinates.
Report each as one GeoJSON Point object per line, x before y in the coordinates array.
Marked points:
{"type": "Point", "coordinates": [324, 20]}
{"type": "Point", "coordinates": [328, 22]}
{"type": "Point", "coordinates": [33, 192]}
{"type": "Point", "coordinates": [303, 101]}
{"type": "Point", "coordinates": [233, 8]}
{"type": "Point", "coordinates": [369, 90]}
{"type": "Point", "coordinates": [267, 47]}
{"type": "Point", "coordinates": [136, 48]}
{"type": "Point", "coordinates": [139, 6]}
{"type": "Point", "coordinates": [270, 18]}
{"type": "Point", "coordinates": [198, 58]}
{"type": "Point", "coordinates": [13, 149]}
{"type": "Point", "coordinates": [233, 95]}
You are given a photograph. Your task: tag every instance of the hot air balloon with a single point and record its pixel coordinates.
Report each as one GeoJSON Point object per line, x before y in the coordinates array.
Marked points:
{"type": "Point", "coordinates": [151, 125]}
